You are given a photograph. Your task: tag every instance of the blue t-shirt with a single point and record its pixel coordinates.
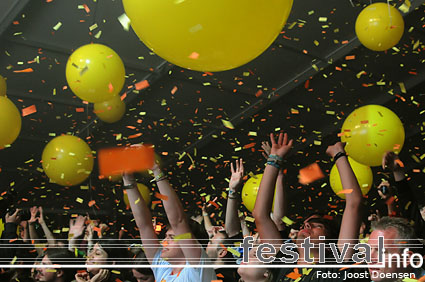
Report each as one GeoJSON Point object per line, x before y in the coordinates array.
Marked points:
{"type": "Point", "coordinates": [189, 274]}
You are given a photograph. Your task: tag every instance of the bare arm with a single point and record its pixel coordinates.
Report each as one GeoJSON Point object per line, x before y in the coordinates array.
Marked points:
{"type": "Point", "coordinates": [267, 229]}
{"type": "Point", "coordinates": [232, 223]}
{"type": "Point", "coordinates": [177, 218]}
{"type": "Point", "coordinates": [51, 241]}
{"type": "Point", "coordinates": [351, 218]}
{"type": "Point", "coordinates": [245, 229]}
{"type": "Point", "coordinates": [207, 221]}
{"type": "Point", "coordinates": [280, 197]}
{"type": "Point", "coordinates": [33, 234]}
{"type": "Point", "coordinates": [143, 218]}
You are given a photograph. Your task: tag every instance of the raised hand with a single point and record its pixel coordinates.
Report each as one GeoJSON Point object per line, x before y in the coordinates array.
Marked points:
{"type": "Point", "coordinates": [15, 218]}
{"type": "Point", "coordinates": [33, 218]}
{"type": "Point", "coordinates": [82, 277]}
{"type": "Point", "coordinates": [335, 149]}
{"type": "Point", "coordinates": [266, 147]}
{"type": "Point", "coordinates": [237, 175]}
{"type": "Point", "coordinates": [391, 161]}
{"type": "Point", "coordinates": [77, 227]}
{"type": "Point", "coordinates": [387, 194]}
{"type": "Point", "coordinates": [282, 146]}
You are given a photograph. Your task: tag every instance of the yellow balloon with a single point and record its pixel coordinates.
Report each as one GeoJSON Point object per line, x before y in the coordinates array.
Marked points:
{"type": "Point", "coordinates": [250, 191]}
{"type": "Point", "coordinates": [379, 26]}
{"type": "Point", "coordinates": [213, 35]}
{"type": "Point", "coordinates": [371, 131]}
{"type": "Point", "coordinates": [10, 122]}
{"type": "Point", "coordinates": [3, 86]}
{"type": "Point", "coordinates": [363, 174]}
{"type": "Point", "coordinates": [144, 191]}
{"type": "Point", "coordinates": [110, 111]}
{"type": "Point", "coordinates": [95, 73]}
{"type": "Point", "coordinates": [67, 160]}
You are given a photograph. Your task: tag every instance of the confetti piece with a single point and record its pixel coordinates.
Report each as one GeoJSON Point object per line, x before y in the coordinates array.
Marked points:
{"type": "Point", "coordinates": [310, 174]}
{"type": "Point", "coordinates": [160, 196]}
{"type": "Point", "coordinates": [57, 26]}
{"type": "Point", "coordinates": [183, 236]}
{"type": "Point", "coordinates": [227, 124]}
{"type": "Point", "coordinates": [287, 221]}
{"type": "Point", "coordinates": [294, 275]}
{"type": "Point", "coordinates": [124, 21]}
{"type": "Point", "coordinates": [345, 191]}
{"type": "Point", "coordinates": [128, 159]}
{"type": "Point", "coordinates": [29, 110]}
{"type": "Point", "coordinates": [194, 56]}
{"type": "Point", "coordinates": [234, 252]}
{"type": "Point", "coordinates": [142, 85]}
{"type": "Point", "coordinates": [24, 70]}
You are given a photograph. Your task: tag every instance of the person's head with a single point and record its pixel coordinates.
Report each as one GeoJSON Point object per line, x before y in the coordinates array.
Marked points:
{"type": "Point", "coordinates": [397, 235]}
{"type": "Point", "coordinates": [254, 274]}
{"type": "Point", "coordinates": [315, 226]}
{"type": "Point", "coordinates": [217, 247]}
{"type": "Point", "coordinates": [56, 256]}
{"type": "Point", "coordinates": [142, 272]}
{"type": "Point", "coordinates": [104, 251]}
{"type": "Point", "coordinates": [171, 248]}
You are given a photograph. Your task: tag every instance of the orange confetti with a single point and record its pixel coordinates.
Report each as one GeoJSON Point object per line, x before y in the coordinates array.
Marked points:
{"type": "Point", "coordinates": [345, 191]}
{"type": "Point", "coordinates": [142, 85]}
{"type": "Point", "coordinates": [194, 56]}
{"type": "Point", "coordinates": [160, 196]}
{"type": "Point", "coordinates": [24, 70]}
{"type": "Point", "coordinates": [352, 57]}
{"type": "Point", "coordinates": [111, 87]}
{"type": "Point", "coordinates": [174, 90]}
{"type": "Point", "coordinates": [92, 203]}
{"type": "Point", "coordinates": [79, 110]}
{"type": "Point", "coordinates": [114, 161]}
{"type": "Point", "coordinates": [29, 110]}
{"type": "Point", "coordinates": [310, 174]}
{"type": "Point", "coordinates": [134, 135]}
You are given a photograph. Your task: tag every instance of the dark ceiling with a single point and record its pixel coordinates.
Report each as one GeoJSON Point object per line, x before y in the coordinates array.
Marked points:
{"type": "Point", "coordinates": [310, 80]}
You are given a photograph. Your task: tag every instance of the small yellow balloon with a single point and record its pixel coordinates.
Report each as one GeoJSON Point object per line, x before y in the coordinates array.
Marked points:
{"type": "Point", "coordinates": [213, 35]}
{"type": "Point", "coordinates": [95, 73]}
{"type": "Point", "coordinates": [250, 191]}
{"type": "Point", "coordinates": [10, 122]}
{"type": "Point", "coordinates": [379, 26]}
{"type": "Point", "coordinates": [144, 191]}
{"type": "Point", "coordinates": [67, 160]}
{"type": "Point", "coordinates": [3, 86]}
{"type": "Point", "coordinates": [363, 174]}
{"type": "Point", "coordinates": [110, 111]}
{"type": "Point", "coordinates": [371, 131]}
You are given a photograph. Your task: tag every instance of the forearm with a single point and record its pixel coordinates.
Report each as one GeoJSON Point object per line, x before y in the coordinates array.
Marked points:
{"type": "Point", "coordinates": [34, 238]}
{"type": "Point", "coordinates": [280, 203]}
{"type": "Point", "coordinates": [207, 221]}
{"type": "Point", "coordinates": [51, 241]}
{"type": "Point", "coordinates": [263, 203]}
{"type": "Point", "coordinates": [349, 183]}
{"type": "Point", "coordinates": [232, 222]}
{"type": "Point", "coordinates": [172, 204]}
{"type": "Point", "coordinates": [245, 229]}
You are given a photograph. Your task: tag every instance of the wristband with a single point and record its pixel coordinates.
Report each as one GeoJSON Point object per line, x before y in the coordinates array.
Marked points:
{"type": "Point", "coordinates": [339, 155]}
{"type": "Point", "coordinates": [275, 164]}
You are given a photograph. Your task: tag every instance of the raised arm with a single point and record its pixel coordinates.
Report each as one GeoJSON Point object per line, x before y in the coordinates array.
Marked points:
{"type": "Point", "coordinates": [177, 218]}
{"type": "Point", "coordinates": [267, 229]}
{"type": "Point", "coordinates": [207, 221]}
{"type": "Point", "coordinates": [280, 197]}
{"type": "Point", "coordinates": [51, 241]}
{"type": "Point", "coordinates": [232, 222]}
{"type": "Point", "coordinates": [32, 232]}
{"type": "Point", "coordinates": [142, 216]}
{"type": "Point", "coordinates": [351, 218]}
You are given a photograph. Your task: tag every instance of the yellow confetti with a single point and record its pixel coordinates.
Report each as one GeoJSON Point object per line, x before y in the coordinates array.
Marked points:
{"type": "Point", "coordinates": [234, 252]}
{"type": "Point", "coordinates": [124, 21]}
{"type": "Point", "coordinates": [183, 236]}
{"type": "Point", "coordinates": [57, 26]}
{"type": "Point", "coordinates": [227, 124]}
{"type": "Point", "coordinates": [287, 221]}
{"type": "Point", "coordinates": [79, 200]}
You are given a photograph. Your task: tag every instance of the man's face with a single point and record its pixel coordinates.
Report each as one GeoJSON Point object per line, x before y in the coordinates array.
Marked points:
{"type": "Point", "coordinates": [214, 245]}
{"type": "Point", "coordinates": [171, 248]}
{"type": "Point", "coordinates": [46, 274]}
{"type": "Point", "coordinates": [390, 235]}
{"type": "Point", "coordinates": [312, 228]}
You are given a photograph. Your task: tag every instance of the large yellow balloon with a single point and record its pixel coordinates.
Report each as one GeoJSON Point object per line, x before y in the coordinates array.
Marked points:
{"type": "Point", "coordinates": [379, 26]}
{"type": "Point", "coordinates": [3, 86]}
{"type": "Point", "coordinates": [95, 73]}
{"type": "Point", "coordinates": [370, 132]}
{"type": "Point", "coordinates": [363, 174]}
{"type": "Point", "coordinates": [67, 160]}
{"type": "Point", "coordinates": [212, 35]}
{"type": "Point", "coordinates": [250, 191]}
{"type": "Point", "coordinates": [144, 191]}
{"type": "Point", "coordinates": [111, 110]}
{"type": "Point", "coordinates": [10, 122]}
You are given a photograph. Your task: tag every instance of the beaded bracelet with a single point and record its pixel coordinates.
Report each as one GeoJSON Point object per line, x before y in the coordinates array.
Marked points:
{"type": "Point", "coordinates": [129, 186]}
{"type": "Point", "coordinates": [275, 164]}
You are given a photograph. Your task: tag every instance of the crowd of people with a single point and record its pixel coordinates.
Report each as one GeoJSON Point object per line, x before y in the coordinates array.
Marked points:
{"type": "Point", "coordinates": [193, 249]}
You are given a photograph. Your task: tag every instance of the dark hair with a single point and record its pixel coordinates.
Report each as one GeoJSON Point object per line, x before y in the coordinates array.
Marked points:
{"type": "Point", "coordinates": [139, 260]}
{"type": "Point", "coordinates": [117, 251]}
{"type": "Point", "coordinates": [62, 256]}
